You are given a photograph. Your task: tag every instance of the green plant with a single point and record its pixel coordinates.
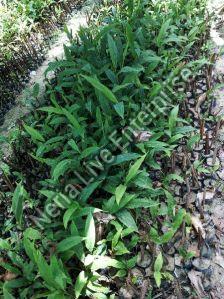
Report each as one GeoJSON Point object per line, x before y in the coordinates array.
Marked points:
{"type": "Point", "coordinates": [86, 180]}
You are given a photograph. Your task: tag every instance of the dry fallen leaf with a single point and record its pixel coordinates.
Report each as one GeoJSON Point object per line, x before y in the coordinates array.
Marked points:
{"type": "Point", "coordinates": [142, 135]}
{"type": "Point", "coordinates": [200, 101]}
{"type": "Point", "coordinates": [219, 260]}
{"type": "Point", "coordinates": [196, 222]}
{"type": "Point", "coordinates": [193, 247]}
{"type": "Point", "coordinates": [103, 217]}
{"type": "Point", "coordinates": [217, 216]}
{"type": "Point", "coordinates": [196, 281]}
{"type": "Point", "coordinates": [9, 276]}
{"type": "Point", "coordinates": [208, 195]}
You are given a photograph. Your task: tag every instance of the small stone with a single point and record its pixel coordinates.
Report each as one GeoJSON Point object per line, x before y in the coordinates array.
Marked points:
{"type": "Point", "coordinates": [180, 274]}
{"type": "Point", "coordinates": [208, 195]}
{"type": "Point", "coordinates": [210, 162]}
{"type": "Point", "coordinates": [221, 155]}
{"type": "Point", "coordinates": [137, 276]}
{"type": "Point", "coordinates": [201, 264]}
{"type": "Point", "coordinates": [221, 174]}
{"type": "Point", "coordinates": [144, 261]}
{"type": "Point", "coordinates": [206, 252]}
{"type": "Point", "coordinates": [189, 94]}
{"type": "Point", "coordinates": [191, 101]}
{"type": "Point", "coordinates": [177, 190]}
{"type": "Point", "coordinates": [199, 147]}
{"type": "Point", "coordinates": [207, 285]}
{"type": "Point", "coordinates": [170, 263]}
{"type": "Point", "coordinates": [209, 183]}
{"type": "Point", "coordinates": [125, 293]}
{"type": "Point", "coordinates": [190, 197]}
{"type": "Point", "coordinates": [33, 73]}
{"type": "Point", "coordinates": [199, 91]}
{"type": "Point", "coordinates": [178, 260]}
{"type": "Point", "coordinates": [171, 250]}
{"type": "Point", "coordinates": [149, 272]}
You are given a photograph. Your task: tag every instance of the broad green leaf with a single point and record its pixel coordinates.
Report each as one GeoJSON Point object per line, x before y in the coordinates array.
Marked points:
{"type": "Point", "coordinates": [88, 190]}
{"type": "Point", "coordinates": [158, 263]}
{"type": "Point", "coordinates": [158, 278]}
{"type": "Point", "coordinates": [88, 151]}
{"type": "Point", "coordinates": [7, 294]}
{"type": "Point", "coordinates": [36, 136]}
{"type": "Point", "coordinates": [51, 110]}
{"type": "Point", "coordinates": [113, 50]}
{"type": "Point", "coordinates": [119, 108]}
{"type": "Point", "coordinates": [173, 118]}
{"type": "Point", "coordinates": [32, 234]}
{"type": "Point", "coordinates": [61, 168]}
{"type": "Point", "coordinates": [90, 232]}
{"type": "Point", "coordinates": [17, 202]}
{"type": "Point", "coordinates": [79, 129]}
{"type": "Point", "coordinates": [126, 218]}
{"type": "Point", "coordinates": [73, 144]}
{"type": "Point", "coordinates": [174, 177]}
{"type": "Point", "coordinates": [178, 219]}
{"type": "Point", "coordinates": [134, 169]}
{"type": "Point", "coordinates": [68, 243]}
{"type": "Point", "coordinates": [141, 203]}
{"type": "Point", "coordinates": [163, 32]}
{"type": "Point", "coordinates": [68, 214]}
{"type": "Point", "coordinates": [102, 88]}
{"type": "Point", "coordinates": [119, 159]}
{"type": "Point", "coordinates": [157, 269]}
{"type": "Point", "coordinates": [165, 238]}
{"type": "Point", "coordinates": [119, 192]}
{"type": "Point", "coordinates": [103, 262]}
{"type": "Point", "coordinates": [193, 140]}
{"type": "Point", "coordinates": [80, 283]}
{"type": "Point", "coordinates": [4, 245]}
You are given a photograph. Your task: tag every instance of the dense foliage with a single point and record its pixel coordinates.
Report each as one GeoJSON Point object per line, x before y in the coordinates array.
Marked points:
{"type": "Point", "coordinates": [25, 29]}
{"type": "Point", "coordinates": [96, 161]}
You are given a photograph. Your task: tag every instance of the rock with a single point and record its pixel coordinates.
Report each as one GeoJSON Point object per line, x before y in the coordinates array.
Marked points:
{"type": "Point", "coordinates": [191, 101]}
{"type": "Point", "coordinates": [221, 155]}
{"type": "Point", "coordinates": [208, 195]}
{"type": "Point", "coordinates": [180, 274]}
{"type": "Point", "coordinates": [204, 88]}
{"type": "Point", "coordinates": [201, 264]}
{"type": "Point", "coordinates": [190, 197]}
{"type": "Point", "coordinates": [33, 73]}
{"type": "Point", "coordinates": [221, 174]}
{"type": "Point", "coordinates": [137, 276]}
{"type": "Point", "coordinates": [210, 162]}
{"type": "Point", "coordinates": [193, 247]}
{"type": "Point", "coordinates": [125, 293]}
{"type": "Point", "coordinates": [196, 281]}
{"type": "Point", "coordinates": [209, 183]}
{"type": "Point", "coordinates": [170, 263]}
{"type": "Point", "coordinates": [149, 272]}
{"type": "Point", "coordinates": [199, 91]}
{"type": "Point", "coordinates": [171, 250]}
{"type": "Point", "coordinates": [144, 261]}
{"type": "Point", "coordinates": [207, 284]}
{"type": "Point", "coordinates": [206, 251]}
{"type": "Point", "coordinates": [178, 260]}
{"type": "Point", "coordinates": [189, 94]}
{"type": "Point", "coordinates": [199, 147]}
{"type": "Point", "coordinates": [217, 216]}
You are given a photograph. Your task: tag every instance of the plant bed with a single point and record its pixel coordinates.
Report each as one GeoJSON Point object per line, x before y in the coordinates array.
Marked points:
{"type": "Point", "coordinates": [26, 30]}
{"type": "Point", "coordinates": [95, 199]}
